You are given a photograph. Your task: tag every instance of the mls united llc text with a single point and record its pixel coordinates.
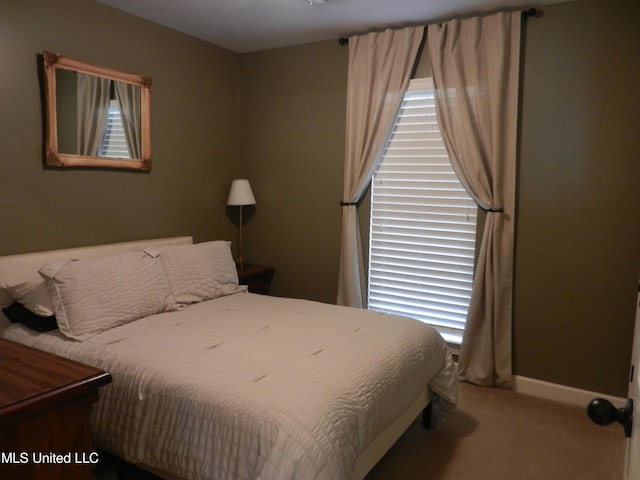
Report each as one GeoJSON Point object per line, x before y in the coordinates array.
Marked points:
{"type": "Point", "coordinates": [52, 457]}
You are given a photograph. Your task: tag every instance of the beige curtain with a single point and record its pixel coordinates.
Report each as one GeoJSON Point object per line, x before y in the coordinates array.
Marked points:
{"type": "Point", "coordinates": [93, 108]}
{"type": "Point", "coordinates": [380, 66]}
{"type": "Point", "coordinates": [128, 96]}
{"type": "Point", "coordinates": [475, 66]}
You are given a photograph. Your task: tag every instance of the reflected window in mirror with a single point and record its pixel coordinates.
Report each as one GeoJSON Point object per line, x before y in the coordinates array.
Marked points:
{"type": "Point", "coordinates": [114, 141]}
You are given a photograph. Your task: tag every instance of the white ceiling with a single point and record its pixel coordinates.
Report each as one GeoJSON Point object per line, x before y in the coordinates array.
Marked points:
{"type": "Point", "coordinates": [251, 25]}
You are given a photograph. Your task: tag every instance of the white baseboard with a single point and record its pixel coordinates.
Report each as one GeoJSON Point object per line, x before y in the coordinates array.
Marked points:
{"type": "Point", "coordinates": [560, 393]}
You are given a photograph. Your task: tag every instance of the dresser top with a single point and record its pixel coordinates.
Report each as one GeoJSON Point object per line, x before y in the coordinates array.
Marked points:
{"type": "Point", "coordinates": [29, 375]}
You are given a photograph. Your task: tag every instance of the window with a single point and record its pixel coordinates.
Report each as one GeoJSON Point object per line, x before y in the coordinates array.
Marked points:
{"type": "Point", "coordinates": [114, 142]}
{"type": "Point", "coordinates": [423, 224]}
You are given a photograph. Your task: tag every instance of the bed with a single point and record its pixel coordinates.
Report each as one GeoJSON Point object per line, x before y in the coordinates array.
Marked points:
{"type": "Point", "coordinates": [213, 382]}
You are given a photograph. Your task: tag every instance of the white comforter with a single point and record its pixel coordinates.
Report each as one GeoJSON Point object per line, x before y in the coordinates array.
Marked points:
{"type": "Point", "coordinates": [256, 387]}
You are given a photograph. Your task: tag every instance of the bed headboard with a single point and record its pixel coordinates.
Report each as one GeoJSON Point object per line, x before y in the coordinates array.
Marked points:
{"type": "Point", "coordinates": [24, 267]}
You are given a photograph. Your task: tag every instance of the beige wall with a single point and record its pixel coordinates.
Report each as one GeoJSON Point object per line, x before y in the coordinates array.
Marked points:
{"type": "Point", "coordinates": [194, 131]}
{"type": "Point", "coordinates": [278, 118]}
{"type": "Point", "coordinates": [293, 123]}
{"type": "Point", "coordinates": [578, 231]}
{"type": "Point", "coordinates": [578, 246]}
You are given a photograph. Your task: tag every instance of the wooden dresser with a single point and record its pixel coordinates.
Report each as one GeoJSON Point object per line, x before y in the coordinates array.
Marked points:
{"type": "Point", "coordinates": [45, 403]}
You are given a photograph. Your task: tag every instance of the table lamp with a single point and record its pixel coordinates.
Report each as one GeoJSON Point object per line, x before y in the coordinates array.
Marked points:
{"type": "Point", "coordinates": [239, 196]}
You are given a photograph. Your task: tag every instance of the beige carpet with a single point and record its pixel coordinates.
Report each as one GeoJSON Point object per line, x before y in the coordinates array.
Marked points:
{"type": "Point", "coordinates": [502, 435]}
{"type": "Point", "coordinates": [495, 435]}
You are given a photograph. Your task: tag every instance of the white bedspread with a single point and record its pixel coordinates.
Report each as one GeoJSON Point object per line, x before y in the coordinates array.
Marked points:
{"type": "Point", "coordinates": [255, 387]}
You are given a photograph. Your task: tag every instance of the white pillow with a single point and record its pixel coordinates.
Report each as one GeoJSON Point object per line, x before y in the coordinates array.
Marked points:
{"type": "Point", "coordinates": [33, 296]}
{"type": "Point", "coordinates": [93, 295]}
{"type": "Point", "coordinates": [201, 271]}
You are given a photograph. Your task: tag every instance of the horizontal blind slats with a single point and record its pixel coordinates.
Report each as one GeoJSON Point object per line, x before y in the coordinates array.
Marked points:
{"type": "Point", "coordinates": [114, 141]}
{"type": "Point", "coordinates": [423, 225]}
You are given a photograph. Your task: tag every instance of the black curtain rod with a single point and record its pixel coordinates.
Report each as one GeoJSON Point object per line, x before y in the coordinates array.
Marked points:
{"type": "Point", "coordinates": [531, 12]}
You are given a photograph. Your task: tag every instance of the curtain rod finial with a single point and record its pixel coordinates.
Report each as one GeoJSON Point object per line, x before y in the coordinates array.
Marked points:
{"type": "Point", "coordinates": [532, 12]}
{"type": "Point", "coordinates": [343, 41]}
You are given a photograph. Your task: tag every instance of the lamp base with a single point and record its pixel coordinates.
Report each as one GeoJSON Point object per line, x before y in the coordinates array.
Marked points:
{"type": "Point", "coordinates": [241, 263]}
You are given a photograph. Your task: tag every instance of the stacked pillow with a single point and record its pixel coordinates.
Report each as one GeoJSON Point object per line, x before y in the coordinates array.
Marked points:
{"type": "Point", "coordinates": [32, 306]}
{"type": "Point", "coordinates": [200, 272]}
{"type": "Point", "coordinates": [18, 313]}
{"type": "Point", "coordinates": [86, 297]}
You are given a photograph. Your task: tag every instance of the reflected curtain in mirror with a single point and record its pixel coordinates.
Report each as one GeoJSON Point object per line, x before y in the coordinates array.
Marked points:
{"type": "Point", "coordinates": [93, 111]}
{"type": "Point", "coordinates": [128, 97]}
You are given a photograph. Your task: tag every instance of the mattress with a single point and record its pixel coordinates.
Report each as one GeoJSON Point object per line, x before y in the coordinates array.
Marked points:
{"type": "Point", "coordinates": [248, 386]}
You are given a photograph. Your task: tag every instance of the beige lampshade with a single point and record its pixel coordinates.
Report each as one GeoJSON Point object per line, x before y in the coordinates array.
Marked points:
{"type": "Point", "coordinates": [240, 193]}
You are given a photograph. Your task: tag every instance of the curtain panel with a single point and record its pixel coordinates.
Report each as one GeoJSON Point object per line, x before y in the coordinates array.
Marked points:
{"type": "Point", "coordinates": [475, 65]}
{"type": "Point", "coordinates": [93, 107]}
{"type": "Point", "coordinates": [128, 96]}
{"type": "Point", "coordinates": [379, 69]}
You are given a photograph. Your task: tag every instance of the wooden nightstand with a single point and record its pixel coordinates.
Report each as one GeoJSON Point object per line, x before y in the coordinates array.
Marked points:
{"type": "Point", "coordinates": [45, 402]}
{"type": "Point", "coordinates": [257, 277]}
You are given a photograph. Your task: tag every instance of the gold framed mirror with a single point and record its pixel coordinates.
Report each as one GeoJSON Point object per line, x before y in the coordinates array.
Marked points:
{"type": "Point", "coordinates": [96, 116]}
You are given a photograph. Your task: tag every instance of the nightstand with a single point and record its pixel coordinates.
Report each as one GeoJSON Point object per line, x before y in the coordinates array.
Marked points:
{"type": "Point", "coordinates": [45, 403]}
{"type": "Point", "coordinates": [257, 277]}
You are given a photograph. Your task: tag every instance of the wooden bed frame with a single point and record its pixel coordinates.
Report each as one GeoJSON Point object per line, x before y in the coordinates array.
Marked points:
{"type": "Point", "coordinates": [24, 267]}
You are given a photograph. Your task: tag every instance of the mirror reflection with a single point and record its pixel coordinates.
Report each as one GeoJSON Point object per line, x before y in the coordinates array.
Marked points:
{"type": "Point", "coordinates": [96, 116]}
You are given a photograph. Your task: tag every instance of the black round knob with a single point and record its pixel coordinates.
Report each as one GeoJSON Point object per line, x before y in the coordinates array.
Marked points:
{"type": "Point", "coordinates": [602, 411]}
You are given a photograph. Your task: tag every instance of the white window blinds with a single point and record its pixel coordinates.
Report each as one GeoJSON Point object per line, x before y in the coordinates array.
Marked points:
{"type": "Point", "coordinates": [423, 224]}
{"type": "Point", "coordinates": [114, 142]}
